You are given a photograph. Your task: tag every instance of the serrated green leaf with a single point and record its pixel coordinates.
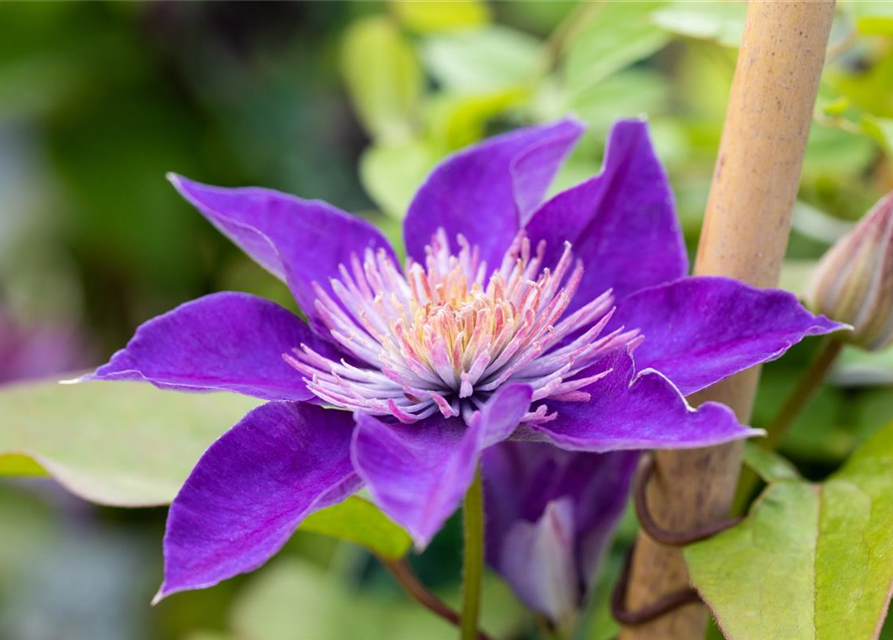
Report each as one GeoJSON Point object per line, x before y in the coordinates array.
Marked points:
{"type": "Point", "coordinates": [440, 15]}
{"type": "Point", "coordinates": [359, 521]}
{"type": "Point", "coordinates": [719, 21]}
{"type": "Point", "coordinates": [114, 443]}
{"type": "Point", "coordinates": [616, 35]}
{"type": "Point", "coordinates": [811, 561]}
{"type": "Point", "coordinates": [382, 75]}
{"type": "Point", "coordinates": [483, 60]}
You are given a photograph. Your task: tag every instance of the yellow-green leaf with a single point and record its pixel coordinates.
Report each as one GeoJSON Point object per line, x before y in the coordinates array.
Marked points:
{"type": "Point", "coordinates": [769, 465]}
{"type": "Point", "coordinates": [359, 521]}
{"type": "Point", "coordinates": [440, 15]}
{"type": "Point", "coordinates": [719, 21]}
{"type": "Point", "coordinates": [115, 443]}
{"type": "Point", "coordinates": [483, 60]}
{"type": "Point", "coordinates": [811, 561]}
{"type": "Point", "coordinates": [614, 36]}
{"type": "Point", "coordinates": [382, 75]}
{"type": "Point", "coordinates": [392, 172]}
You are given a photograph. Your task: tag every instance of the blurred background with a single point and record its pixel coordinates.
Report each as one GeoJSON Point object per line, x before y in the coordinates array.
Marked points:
{"type": "Point", "coordinates": [352, 102]}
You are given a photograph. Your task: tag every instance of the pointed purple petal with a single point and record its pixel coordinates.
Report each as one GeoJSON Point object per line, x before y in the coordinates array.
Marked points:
{"type": "Point", "coordinates": [416, 473]}
{"type": "Point", "coordinates": [486, 191]}
{"type": "Point", "coordinates": [251, 489]}
{"type": "Point", "coordinates": [502, 413]}
{"type": "Point", "coordinates": [299, 241]}
{"type": "Point", "coordinates": [221, 342]}
{"type": "Point", "coordinates": [529, 487]}
{"type": "Point", "coordinates": [703, 329]}
{"type": "Point", "coordinates": [537, 560]}
{"type": "Point", "coordinates": [644, 411]}
{"type": "Point", "coordinates": [621, 223]}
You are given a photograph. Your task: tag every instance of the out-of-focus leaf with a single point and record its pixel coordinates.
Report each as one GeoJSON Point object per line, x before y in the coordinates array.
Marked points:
{"type": "Point", "coordinates": [296, 600]}
{"type": "Point", "coordinates": [880, 130]}
{"type": "Point", "coordinates": [770, 466]}
{"type": "Point", "coordinates": [459, 120]}
{"type": "Point", "coordinates": [483, 60]}
{"type": "Point", "coordinates": [858, 368]}
{"type": "Point", "coordinates": [438, 16]}
{"type": "Point", "coordinates": [818, 225]}
{"type": "Point", "coordinates": [626, 94]}
{"type": "Point", "coordinates": [616, 35]}
{"type": "Point", "coordinates": [392, 172]}
{"type": "Point", "coordinates": [382, 75]}
{"type": "Point", "coordinates": [836, 107]}
{"type": "Point", "coordinates": [871, 18]}
{"type": "Point", "coordinates": [795, 275]}
{"type": "Point", "coordinates": [811, 561]}
{"type": "Point", "coordinates": [828, 149]}
{"type": "Point", "coordinates": [361, 522]}
{"type": "Point", "coordinates": [719, 21]}
{"type": "Point", "coordinates": [114, 443]}
{"type": "Point", "coordinates": [870, 88]}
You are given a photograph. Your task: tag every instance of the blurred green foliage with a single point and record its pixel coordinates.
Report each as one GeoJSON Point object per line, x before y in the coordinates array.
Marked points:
{"type": "Point", "coordinates": [354, 102]}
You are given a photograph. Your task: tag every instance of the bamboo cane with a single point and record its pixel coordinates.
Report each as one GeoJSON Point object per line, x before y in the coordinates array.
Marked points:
{"type": "Point", "coordinates": [745, 235]}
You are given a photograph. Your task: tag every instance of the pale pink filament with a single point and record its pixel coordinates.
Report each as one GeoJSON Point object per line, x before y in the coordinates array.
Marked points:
{"type": "Point", "coordinates": [436, 338]}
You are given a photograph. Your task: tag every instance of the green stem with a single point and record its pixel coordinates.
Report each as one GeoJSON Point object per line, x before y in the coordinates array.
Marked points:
{"type": "Point", "coordinates": [803, 392]}
{"type": "Point", "coordinates": [792, 407]}
{"type": "Point", "coordinates": [473, 566]}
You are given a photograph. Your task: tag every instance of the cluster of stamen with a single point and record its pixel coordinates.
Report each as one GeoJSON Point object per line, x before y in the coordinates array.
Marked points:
{"type": "Point", "coordinates": [438, 338]}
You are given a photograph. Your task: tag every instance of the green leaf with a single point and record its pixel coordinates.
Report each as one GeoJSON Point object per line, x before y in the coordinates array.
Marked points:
{"type": "Point", "coordinates": [719, 21]}
{"type": "Point", "coordinates": [811, 561]}
{"type": "Point", "coordinates": [296, 600]}
{"type": "Point", "coordinates": [484, 60]}
{"type": "Point", "coordinates": [770, 466]}
{"type": "Point", "coordinates": [457, 121]}
{"type": "Point", "coordinates": [616, 35]}
{"type": "Point", "coordinates": [383, 77]}
{"type": "Point", "coordinates": [392, 172]}
{"type": "Point", "coordinates": [359, 521]}
{"type": "Point", "coordinates": [871, 18]}
{"type": "Point", "coordinates": [880, 130]}
{"type": "Point", "coordinates": [441, 15]}
{"type": "Point", "coordinates": [116, 443]}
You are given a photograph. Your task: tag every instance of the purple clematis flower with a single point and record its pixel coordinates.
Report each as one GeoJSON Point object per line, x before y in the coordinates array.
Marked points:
{"type": "Point", "coordinates": [511, 319]}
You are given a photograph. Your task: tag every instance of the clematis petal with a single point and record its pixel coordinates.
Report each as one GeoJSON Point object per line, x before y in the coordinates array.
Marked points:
{"type": "Point", "coordinates": [221, 342]}
{"type": "Point", "coordinates": [637, 411]}
{"type": "Point", "coordinates": [486, 191]}
{"type": "Point", "coordinates": [251, 489]}
{"type": "Point", "coordinates": [550, 516]}
{"type": "Point", "coordinates": [703, 329]}
{"type": "Point", "coordinates": [299, 241]}
{"type": "Point", "coordinates": [502, 413]}
{"type": "Point", "coordinates": [537, 560]}
{"type": "Point", "coordinates": [416, 473]}
{"type": "Point", "coordinates": [621, 223]}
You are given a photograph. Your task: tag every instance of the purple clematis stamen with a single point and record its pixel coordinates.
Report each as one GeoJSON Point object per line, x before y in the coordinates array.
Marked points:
{"type": "Point", "coordinates": [444, 337]}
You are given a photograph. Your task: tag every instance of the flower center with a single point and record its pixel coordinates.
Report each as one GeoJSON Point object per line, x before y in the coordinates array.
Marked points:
{"type": "Point", "coordinates": [438, 338]}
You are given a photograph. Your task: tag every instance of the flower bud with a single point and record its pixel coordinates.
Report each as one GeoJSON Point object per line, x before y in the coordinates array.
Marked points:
{"type": "Point", "coordinates": [853, 283]}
